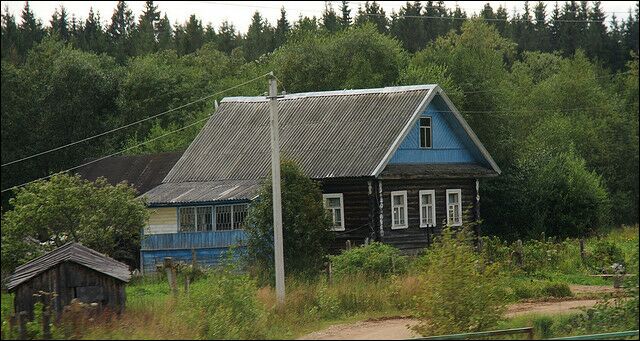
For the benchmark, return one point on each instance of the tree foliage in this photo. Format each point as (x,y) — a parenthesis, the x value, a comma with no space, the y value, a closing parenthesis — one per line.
(305,225)
(47,214)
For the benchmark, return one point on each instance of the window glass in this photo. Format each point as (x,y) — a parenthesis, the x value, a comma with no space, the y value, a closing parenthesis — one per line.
(425,132)
(204,219)
(239,214)
(333,205)
(223,218)
(187,219)
(399,209)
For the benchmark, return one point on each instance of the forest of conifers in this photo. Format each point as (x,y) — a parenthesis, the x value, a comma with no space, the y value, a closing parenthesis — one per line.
(551,92)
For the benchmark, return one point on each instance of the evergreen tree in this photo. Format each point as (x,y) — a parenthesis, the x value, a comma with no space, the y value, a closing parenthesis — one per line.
(597,34)
(540,39)
(9,37)
(568,31)
(345,19)
(615,44)
(30,31)
(431,25)
(259,38)
(228,38)
(554,30)
(404,24)
(209,34)
(330,21)
(372,13)
(60,24)
(523,29)
(282,29)
(194,35)
(631,33)
(91,35)
(165,34)
(501,22)
(145,32)
(120,30)
(458,17)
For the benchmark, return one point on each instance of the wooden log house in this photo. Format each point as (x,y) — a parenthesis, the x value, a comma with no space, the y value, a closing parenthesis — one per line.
(396,164)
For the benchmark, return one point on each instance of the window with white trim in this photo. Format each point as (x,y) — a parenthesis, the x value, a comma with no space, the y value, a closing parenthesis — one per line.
(399,216)
(454,207)
(425,132)
(427,208)
(334,204)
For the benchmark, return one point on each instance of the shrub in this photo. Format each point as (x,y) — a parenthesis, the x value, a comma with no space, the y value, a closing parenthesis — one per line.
(305,224)
(224,306)
(460,293)
(375,259)
(605,254)
(556,289)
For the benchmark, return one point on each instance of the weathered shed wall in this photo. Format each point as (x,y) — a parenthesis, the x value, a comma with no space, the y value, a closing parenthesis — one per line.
(70,280)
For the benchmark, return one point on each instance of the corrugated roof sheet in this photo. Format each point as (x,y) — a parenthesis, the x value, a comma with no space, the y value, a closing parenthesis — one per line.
(143,172)
(330,134)
(201,192)
(70,252)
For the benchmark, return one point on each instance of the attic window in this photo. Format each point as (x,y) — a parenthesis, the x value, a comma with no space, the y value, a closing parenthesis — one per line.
(425,132)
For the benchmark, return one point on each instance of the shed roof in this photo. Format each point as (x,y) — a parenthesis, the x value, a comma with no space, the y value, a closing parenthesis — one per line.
(143,172)
(202,192)
(70,252)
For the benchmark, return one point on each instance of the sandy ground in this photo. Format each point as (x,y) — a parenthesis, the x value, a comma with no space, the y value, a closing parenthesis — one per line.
(400,328)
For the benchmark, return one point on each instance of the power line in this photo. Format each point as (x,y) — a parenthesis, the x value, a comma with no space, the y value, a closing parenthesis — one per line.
(110,155)
(133,123)
(480,18)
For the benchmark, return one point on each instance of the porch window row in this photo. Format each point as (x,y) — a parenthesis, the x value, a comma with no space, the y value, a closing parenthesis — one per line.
(212,218)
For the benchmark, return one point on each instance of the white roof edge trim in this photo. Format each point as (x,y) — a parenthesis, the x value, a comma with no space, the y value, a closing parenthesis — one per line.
(390,89)
(396,143)
(469,131)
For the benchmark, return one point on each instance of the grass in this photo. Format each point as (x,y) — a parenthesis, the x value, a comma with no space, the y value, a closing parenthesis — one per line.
(221,302)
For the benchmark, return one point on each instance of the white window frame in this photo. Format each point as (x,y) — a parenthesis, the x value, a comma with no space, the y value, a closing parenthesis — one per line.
(459,203)
(335,196)
(405,206)
(429,127)
(432,208)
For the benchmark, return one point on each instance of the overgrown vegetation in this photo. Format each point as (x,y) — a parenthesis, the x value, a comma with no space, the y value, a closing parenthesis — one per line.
(226,303)
(306,226)
(48,214)
(373,260)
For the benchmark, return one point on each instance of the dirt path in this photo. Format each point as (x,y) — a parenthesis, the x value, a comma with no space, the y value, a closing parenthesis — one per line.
(400,328)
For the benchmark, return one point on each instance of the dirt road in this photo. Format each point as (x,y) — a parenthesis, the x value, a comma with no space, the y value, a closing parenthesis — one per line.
(400,328)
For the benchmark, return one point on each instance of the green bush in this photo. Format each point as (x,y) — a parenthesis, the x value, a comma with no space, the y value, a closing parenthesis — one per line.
(556,289)
(224,306)
(375,259)
(460,293)
(605,254)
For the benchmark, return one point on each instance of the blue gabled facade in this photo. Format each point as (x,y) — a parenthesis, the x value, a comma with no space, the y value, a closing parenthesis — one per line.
(450,143)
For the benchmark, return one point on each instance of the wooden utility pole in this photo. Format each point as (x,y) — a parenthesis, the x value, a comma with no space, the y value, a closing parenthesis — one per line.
(275,181)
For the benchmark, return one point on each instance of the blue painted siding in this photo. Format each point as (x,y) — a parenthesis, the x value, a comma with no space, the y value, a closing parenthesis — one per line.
(450,143)
(208,246)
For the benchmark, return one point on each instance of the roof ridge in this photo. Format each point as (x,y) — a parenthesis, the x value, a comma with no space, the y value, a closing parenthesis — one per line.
(327,93)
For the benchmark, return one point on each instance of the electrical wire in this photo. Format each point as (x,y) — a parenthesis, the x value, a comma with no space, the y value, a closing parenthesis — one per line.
(131,124)
(110,155)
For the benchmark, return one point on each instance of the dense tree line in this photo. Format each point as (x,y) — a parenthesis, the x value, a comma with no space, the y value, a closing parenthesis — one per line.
(567,27)
(561,119)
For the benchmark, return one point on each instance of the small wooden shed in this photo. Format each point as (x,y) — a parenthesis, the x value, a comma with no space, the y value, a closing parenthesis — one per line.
(71,271)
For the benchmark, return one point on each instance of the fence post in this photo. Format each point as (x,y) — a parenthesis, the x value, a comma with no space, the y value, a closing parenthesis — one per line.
(187,282)
(45,298)
(348,244)
(583,255)
(22,325)
(329,273)
(169,268)
(517,253)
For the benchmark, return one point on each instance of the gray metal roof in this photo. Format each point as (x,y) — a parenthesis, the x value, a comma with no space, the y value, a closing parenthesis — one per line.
(330,134)
(202,192)
(69,252)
